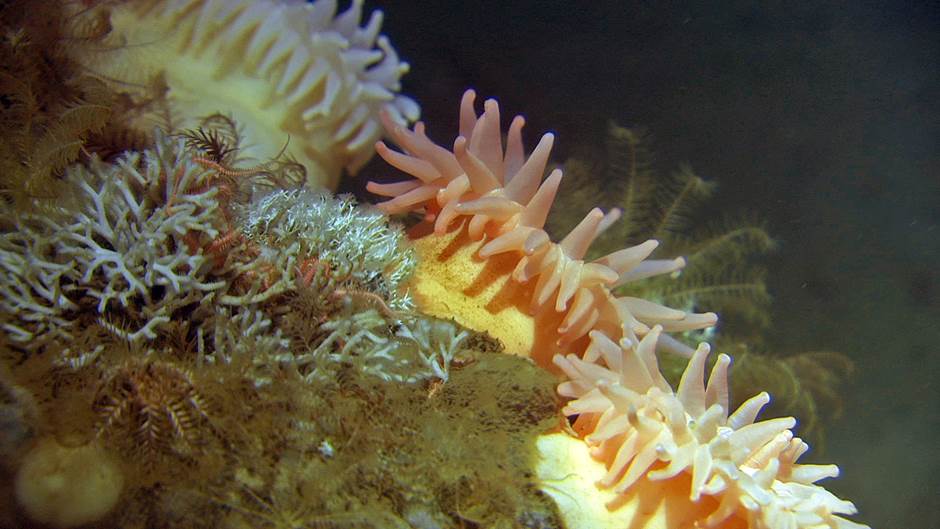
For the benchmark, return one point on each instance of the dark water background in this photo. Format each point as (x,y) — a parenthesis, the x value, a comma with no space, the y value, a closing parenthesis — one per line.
(820,116)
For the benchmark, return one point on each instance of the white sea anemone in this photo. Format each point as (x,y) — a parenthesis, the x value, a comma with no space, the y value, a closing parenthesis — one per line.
(738,471)
(291,73)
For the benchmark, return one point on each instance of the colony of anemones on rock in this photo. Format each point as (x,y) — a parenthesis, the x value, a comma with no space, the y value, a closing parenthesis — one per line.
(740,473)
(163,261)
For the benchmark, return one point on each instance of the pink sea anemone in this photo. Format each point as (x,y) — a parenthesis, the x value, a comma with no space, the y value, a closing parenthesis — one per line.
(485,205)
(501,196)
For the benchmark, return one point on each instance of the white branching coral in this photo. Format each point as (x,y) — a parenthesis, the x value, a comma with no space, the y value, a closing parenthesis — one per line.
(124,248)
(643,430)
(296,75)
(437,341)
(361,339)
(243,335)
(355,246)
(413,350)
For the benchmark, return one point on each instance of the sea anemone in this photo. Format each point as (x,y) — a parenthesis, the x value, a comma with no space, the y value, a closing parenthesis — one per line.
(297,77)
(739,472)
(498,271)
(124,252)
(504,202)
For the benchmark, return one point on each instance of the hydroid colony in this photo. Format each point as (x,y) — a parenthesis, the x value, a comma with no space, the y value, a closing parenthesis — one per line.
(233,348)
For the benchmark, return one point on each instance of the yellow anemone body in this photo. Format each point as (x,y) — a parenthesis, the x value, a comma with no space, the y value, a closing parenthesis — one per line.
(452,281)
(569,475)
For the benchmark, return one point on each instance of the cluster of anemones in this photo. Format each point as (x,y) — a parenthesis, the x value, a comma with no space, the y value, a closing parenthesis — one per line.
(626,412)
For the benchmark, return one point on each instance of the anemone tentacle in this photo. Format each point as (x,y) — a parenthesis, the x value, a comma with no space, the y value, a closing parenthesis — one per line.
(500,193)
(301,77)
(635,423)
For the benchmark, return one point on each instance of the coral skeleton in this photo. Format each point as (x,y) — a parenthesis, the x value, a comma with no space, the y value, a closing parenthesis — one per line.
(360,339)
(422,349)
(246,335)
(438,343)
(296,75)
(120,243)
(742,473)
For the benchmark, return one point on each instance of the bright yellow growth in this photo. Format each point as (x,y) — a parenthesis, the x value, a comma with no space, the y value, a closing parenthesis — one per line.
(452,281)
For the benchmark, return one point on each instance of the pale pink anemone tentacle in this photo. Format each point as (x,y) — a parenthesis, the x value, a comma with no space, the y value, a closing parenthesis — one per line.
(502,193)
(475,179)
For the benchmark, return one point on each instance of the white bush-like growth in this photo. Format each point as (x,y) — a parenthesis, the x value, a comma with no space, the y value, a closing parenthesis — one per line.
(233,335)
(360,339)
(422,349)
(122,240)
(437,343)
(354,243)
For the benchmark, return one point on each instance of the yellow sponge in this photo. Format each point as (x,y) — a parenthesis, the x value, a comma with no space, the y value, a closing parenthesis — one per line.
(68,486)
